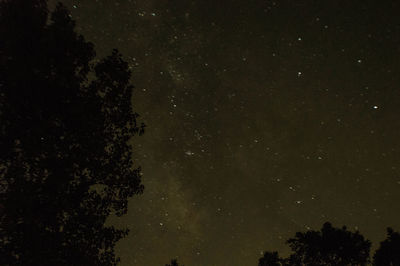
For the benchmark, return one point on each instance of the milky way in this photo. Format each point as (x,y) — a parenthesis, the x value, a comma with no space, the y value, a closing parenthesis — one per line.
(263,118)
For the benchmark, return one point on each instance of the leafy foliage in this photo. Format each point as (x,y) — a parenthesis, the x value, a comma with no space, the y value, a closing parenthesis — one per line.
(330,246)
(271,259)
(66,163)
(388,252)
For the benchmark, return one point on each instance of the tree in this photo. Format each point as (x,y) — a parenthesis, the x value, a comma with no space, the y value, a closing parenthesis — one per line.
(330,246)
(65,126)
(388,252)
(173,262)
(271,259)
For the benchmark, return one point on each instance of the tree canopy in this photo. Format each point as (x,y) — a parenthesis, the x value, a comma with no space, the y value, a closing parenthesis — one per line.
(329,246)
(66,122)
(388,252)
(271,259)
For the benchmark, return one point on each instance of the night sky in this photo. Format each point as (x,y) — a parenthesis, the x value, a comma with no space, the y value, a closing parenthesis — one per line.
(263,118)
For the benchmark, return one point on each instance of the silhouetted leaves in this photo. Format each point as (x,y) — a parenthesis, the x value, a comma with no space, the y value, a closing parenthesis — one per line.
(330,246)
(388,252)
(271,259)
(65,162)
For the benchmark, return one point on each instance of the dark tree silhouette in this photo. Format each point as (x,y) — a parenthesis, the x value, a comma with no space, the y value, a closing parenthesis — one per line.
(173,262)
(271,259)
(388,252)
(330,246)
(65,125)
